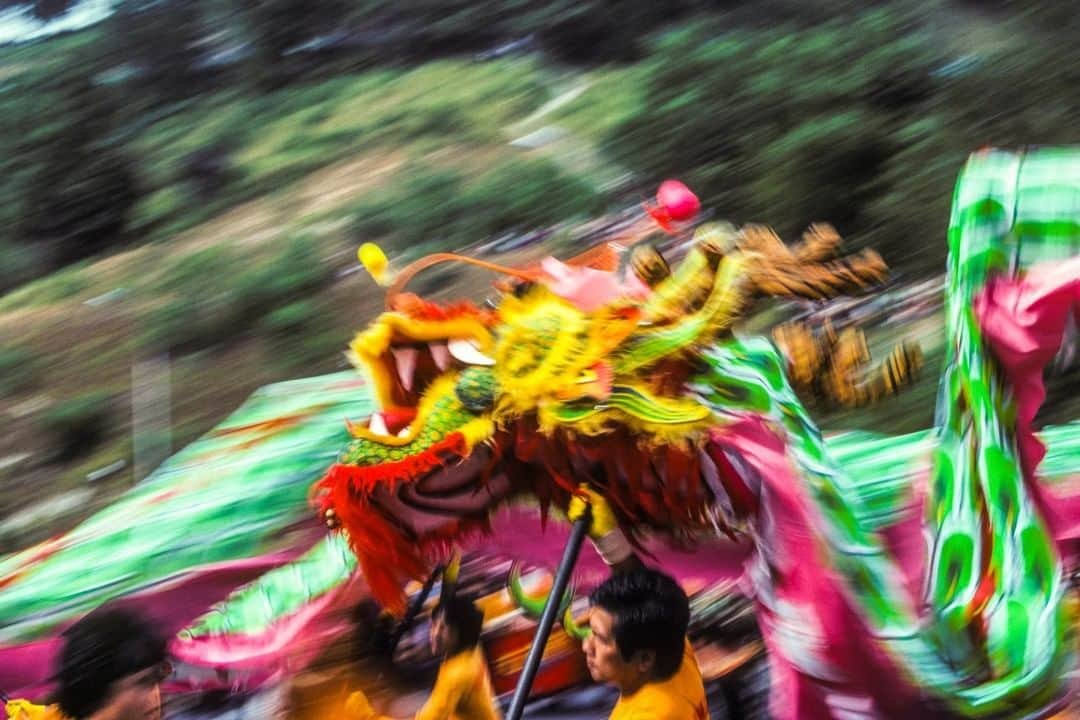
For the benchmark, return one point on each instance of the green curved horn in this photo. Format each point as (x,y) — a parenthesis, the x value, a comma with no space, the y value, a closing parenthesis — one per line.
(532,606)
(578,632)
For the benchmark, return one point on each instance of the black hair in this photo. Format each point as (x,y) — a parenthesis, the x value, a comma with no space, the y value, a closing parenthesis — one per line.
(107,645)
(651,612)
(373,633)
(463,617)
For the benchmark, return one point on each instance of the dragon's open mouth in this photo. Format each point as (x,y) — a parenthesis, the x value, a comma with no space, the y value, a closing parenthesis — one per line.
(412,366)
(409,479)
(408,368)
(404,358)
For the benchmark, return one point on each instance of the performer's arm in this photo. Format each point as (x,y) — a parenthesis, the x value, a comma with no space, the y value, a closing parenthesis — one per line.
(604,532)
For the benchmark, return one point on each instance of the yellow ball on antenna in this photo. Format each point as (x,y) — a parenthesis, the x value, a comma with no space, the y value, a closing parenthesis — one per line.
(374,260)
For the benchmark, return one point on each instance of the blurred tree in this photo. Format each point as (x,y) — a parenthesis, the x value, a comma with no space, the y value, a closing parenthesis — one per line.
(784,111)
(1053,15)
(208,171)
(570,30)
(826,168)
(428,28)
(75,427)
(160,40)
(41,9)
(68,184)
(80,202)
(788,125)
(279,28)
(51,9)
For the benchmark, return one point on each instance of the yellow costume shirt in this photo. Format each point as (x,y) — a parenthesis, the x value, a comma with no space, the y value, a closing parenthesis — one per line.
(22,710)
(680,697)
(462,692)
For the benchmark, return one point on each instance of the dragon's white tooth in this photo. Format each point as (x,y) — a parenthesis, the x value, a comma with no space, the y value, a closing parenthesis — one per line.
(440,355)
(377,425)
(467,352)
(405,359)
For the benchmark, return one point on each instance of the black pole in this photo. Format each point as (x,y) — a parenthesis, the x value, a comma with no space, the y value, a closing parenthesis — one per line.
(414,609)
(547,619)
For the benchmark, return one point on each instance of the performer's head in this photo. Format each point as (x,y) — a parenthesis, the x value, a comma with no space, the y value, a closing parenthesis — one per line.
(638,623)
(111,667)
(455,625)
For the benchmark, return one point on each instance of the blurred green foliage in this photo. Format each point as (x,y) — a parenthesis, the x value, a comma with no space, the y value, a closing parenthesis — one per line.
(159,43)
(214,295)
(429,205)
(75,427)
(19,370)
(864,123)
(290,320)
(68,184)
(782,111)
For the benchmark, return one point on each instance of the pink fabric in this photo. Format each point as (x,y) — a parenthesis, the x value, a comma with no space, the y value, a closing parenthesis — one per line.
(804,616)
(289,646)
(26,667)
(518,535)
(588,288)
(1023,319)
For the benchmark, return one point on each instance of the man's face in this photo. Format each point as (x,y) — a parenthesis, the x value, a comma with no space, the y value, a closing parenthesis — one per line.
(605,662)
(440,635)
(136,697)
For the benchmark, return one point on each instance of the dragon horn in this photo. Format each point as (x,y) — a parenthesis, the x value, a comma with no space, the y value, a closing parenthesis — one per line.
(450,574)
(532,606)
(578,632)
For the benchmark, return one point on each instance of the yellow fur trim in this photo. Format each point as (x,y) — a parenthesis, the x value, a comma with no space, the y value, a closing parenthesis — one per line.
(365,352)
(719,312)
(436,391)
(649,434)
(547,346)
(727,299)
(477,431)
(376,339)
(675,297)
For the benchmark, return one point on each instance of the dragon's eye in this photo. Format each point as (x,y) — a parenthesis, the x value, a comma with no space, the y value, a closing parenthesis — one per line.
(476,389)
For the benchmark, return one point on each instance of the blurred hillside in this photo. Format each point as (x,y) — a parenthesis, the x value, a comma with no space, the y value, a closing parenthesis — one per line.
(189,180)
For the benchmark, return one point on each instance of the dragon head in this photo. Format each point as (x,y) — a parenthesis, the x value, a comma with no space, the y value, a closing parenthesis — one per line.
(579,371)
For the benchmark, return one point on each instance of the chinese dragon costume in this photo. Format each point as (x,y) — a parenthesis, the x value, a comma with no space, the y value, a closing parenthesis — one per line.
(936,559)
(635,382)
